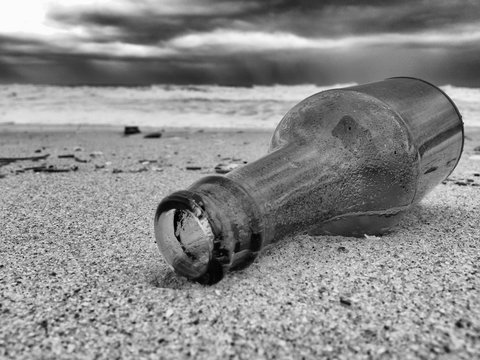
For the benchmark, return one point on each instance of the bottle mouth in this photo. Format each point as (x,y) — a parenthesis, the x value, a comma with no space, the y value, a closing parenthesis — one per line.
(184,237)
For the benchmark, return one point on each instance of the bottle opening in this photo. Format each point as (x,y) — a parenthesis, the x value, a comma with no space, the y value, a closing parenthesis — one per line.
(185,240)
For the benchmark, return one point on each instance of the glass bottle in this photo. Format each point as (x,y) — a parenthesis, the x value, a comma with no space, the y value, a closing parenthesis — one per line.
(345,162)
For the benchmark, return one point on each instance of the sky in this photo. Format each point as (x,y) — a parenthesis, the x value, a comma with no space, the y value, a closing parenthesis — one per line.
(241,43)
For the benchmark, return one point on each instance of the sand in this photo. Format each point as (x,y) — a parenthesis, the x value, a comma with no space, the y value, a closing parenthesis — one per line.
(81,276)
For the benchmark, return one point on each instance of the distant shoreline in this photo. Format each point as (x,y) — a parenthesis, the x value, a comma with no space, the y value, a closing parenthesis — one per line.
(176,106)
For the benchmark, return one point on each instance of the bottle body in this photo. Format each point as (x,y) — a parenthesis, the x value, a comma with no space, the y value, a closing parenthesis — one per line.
(345,162)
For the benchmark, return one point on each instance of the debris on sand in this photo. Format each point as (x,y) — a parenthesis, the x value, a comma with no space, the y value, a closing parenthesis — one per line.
(81,159)
(345,301)
(51,168)
(131,130)
(463,181)
(226,168)
(153,135)
(8,160)
(142,169)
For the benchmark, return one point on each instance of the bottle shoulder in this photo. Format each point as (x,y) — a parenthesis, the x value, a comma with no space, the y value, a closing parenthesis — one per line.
(340,118)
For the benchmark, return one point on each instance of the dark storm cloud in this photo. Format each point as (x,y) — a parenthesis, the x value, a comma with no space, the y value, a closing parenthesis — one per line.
(359,17)
(149,24)
(251,42)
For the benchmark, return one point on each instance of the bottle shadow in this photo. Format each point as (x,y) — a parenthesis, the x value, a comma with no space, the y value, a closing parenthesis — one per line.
(422,220)
(169,280)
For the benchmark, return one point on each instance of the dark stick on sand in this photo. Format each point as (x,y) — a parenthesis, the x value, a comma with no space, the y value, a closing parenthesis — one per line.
(13,159)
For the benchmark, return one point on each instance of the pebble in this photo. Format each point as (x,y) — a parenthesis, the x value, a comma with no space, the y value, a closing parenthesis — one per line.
(225,168)
(345,301)
(154,135)
(81,159)
(131,130)
(142,169)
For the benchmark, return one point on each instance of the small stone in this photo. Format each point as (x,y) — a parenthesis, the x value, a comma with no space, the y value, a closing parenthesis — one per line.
(131,130)
(96,153)
(193,168)
(477,149)
(154,135)
(81,159)
(345,301)
(65,156)
(225,168)
(169,313)
(117,171)
(342,249)
(44,325)
(142,169)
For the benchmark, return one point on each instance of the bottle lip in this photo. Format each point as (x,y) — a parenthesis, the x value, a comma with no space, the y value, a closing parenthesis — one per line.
(185,237)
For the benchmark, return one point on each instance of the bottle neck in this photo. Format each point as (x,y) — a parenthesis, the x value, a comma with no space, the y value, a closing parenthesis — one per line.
(212,227)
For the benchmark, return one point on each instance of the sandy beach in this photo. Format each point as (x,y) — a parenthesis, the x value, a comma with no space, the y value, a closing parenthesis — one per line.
(81,276)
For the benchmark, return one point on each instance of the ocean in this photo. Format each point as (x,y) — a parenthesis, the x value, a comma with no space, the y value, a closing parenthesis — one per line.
(258,107)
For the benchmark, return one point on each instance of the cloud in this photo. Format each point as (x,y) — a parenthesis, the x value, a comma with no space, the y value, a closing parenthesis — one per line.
(245,42)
